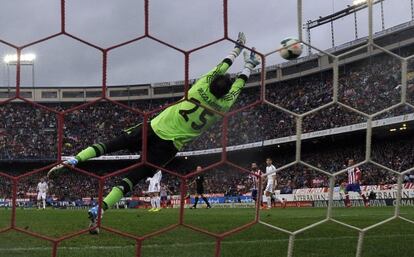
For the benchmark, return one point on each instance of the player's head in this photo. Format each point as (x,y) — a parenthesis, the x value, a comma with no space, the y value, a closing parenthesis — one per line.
(351,162)
(199,168)
(221,85)
(254,166)
(269,161)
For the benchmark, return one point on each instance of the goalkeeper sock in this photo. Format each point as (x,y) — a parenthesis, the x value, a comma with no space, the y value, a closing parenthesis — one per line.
(92,151)
(152,202)
(113,197)
(196,201)
(269,202)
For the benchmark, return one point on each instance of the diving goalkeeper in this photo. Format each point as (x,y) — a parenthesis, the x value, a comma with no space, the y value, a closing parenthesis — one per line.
(174,127)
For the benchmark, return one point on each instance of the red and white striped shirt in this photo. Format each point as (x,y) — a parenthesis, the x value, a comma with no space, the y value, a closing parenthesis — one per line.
(354,175)
(255,179)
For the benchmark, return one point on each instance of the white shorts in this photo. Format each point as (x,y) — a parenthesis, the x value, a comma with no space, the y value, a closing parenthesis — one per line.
(269,188)
(41,196)
(154,188)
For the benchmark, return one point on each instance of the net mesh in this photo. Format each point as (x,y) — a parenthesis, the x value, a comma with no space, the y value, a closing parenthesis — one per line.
(218,237)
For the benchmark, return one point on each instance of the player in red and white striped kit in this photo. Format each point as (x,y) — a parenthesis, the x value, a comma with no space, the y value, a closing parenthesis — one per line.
(255,180)
(354,180)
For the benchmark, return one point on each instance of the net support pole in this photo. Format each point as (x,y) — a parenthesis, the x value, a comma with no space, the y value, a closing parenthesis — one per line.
(309,39)
(335,79)
(404,81)
(399,192)
(412,9)
(368,140)
(370,22)
(356,25)
(382,15)
(299,14)
(330,199)
(298,137)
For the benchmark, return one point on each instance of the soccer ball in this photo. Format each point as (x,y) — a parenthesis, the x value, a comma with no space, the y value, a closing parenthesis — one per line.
(291,48)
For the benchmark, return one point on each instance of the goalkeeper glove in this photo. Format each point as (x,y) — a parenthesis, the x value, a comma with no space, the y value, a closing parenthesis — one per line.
(56,170)
(250,62)
(241,41)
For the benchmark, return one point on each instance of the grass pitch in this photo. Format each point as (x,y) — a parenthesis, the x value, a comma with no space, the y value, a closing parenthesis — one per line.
(328,239)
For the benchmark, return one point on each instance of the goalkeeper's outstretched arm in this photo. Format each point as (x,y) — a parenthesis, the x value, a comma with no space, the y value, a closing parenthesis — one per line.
(225,64)
(251,60)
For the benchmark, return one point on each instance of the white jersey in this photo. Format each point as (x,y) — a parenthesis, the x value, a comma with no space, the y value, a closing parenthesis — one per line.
(42,187)
(154,182)
(156,178)
(270,169)
(269,185)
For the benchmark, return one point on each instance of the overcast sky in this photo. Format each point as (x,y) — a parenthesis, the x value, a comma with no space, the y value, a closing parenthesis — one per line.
(185,23)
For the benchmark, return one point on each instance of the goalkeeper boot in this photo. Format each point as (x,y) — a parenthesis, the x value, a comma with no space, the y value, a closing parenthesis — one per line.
(60,168)
(93,216)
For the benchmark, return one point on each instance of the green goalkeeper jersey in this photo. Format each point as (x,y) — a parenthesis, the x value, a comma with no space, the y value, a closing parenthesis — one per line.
(184,121)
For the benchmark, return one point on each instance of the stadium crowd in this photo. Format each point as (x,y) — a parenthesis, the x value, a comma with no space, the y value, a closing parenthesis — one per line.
(369,85)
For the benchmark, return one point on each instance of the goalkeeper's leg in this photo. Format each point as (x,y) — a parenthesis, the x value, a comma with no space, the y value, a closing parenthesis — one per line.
(130,139)
(159,152)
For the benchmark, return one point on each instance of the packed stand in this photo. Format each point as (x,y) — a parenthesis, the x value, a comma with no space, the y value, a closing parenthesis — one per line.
(370,85)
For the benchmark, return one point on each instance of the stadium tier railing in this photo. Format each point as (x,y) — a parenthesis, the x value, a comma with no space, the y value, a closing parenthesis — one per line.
(277,141)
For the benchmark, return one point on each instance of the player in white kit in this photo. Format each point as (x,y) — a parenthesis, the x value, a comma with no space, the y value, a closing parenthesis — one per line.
(271,183)
(154,191)
(42,188)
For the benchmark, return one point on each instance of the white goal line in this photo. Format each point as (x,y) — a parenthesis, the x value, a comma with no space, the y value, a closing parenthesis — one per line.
(182,245)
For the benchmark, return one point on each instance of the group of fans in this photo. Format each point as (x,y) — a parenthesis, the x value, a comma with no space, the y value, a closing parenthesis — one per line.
(358,82)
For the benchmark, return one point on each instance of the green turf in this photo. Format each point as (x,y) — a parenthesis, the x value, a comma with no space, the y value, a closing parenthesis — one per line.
(328,239)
